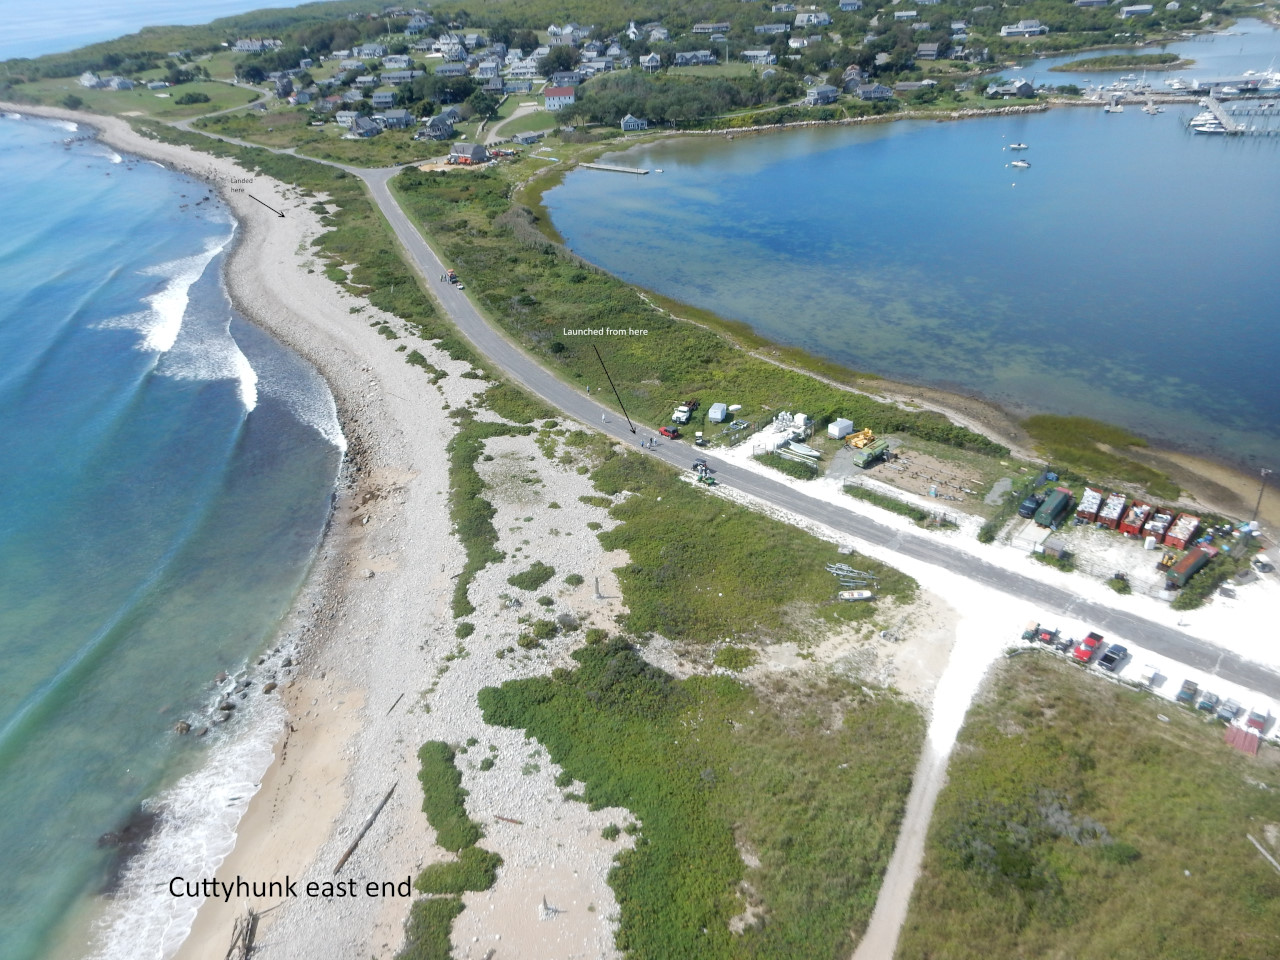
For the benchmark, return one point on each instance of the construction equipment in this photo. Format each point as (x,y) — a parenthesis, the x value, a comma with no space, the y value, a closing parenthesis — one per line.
(860,439)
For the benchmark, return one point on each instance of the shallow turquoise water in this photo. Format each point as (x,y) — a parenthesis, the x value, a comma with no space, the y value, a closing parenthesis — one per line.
(166,472)
(1128,275)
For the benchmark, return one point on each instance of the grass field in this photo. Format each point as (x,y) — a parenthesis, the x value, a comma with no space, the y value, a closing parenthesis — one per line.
(139,100)
(807,783)
(703,570)
(529,123)
(1075,824)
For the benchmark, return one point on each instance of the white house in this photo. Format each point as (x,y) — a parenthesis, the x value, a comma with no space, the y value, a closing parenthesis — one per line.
(1137,10)
(819,19)
(630,124)
(1024,28)
(557,98)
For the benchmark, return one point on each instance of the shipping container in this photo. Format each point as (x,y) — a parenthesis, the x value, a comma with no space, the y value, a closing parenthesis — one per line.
(1135,519)
(1054,508)
(1112,511)
(1186,568)
(1090,502)
(1183,531)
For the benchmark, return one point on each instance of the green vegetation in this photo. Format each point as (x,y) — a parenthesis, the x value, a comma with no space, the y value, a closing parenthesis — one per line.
(512,403)
(812,781)
(533,288)
(1120,585)
(1125,61)
(418,360)
(471,513)
(531,579)
(1064,563)
(1075,825)
(921,516)
(682,100)
(792,468)
(1093,449)
(611,832)
(574,580)
(427,934)
(1213,575)
(735,658)
(475,869)
(702,569)
(464,630)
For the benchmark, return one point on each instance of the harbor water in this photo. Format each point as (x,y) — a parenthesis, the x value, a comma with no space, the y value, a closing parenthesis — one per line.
(1127,275)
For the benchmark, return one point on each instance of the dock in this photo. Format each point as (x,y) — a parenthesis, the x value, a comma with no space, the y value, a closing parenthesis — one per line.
(612,169)
(1224,118)
(1265,124)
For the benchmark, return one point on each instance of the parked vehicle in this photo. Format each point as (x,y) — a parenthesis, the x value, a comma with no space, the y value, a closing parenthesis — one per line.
(1114,656)
(1188,692)
(1229,711)
(1027,509)
(671,433)
(1257,721)
(1086,648)
(1208,702)
(682,415)
(1046,636)
(1149,675)
(1055,507)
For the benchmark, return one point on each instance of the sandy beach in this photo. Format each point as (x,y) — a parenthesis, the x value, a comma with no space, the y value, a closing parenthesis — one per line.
(381,670)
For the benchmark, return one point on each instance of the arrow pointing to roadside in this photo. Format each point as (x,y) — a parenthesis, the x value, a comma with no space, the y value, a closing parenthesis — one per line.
(272,209)
(615,389)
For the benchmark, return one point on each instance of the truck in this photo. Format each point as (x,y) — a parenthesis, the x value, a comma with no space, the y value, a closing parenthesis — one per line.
(1188,693)
(1054,508)
(682,414)
(868,455)
(1186,568)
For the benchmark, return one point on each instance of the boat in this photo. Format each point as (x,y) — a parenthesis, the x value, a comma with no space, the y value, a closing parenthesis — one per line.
(1114,107)
(1230,91)
(1017,146)
(1129,78)
(855,595)
(1214,127)
(1020,163)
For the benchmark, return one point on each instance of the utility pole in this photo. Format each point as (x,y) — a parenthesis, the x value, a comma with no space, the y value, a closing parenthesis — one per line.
(1261,488)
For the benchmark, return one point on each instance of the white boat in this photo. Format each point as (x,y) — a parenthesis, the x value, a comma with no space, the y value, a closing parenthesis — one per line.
(1214,127)
(1230,91)
(1017,146)
(855,595)
(1020,163)
(1114,107)
(1129,78)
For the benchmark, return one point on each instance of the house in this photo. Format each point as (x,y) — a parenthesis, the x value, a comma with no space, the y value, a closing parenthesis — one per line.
(1014,88)
(1024,28)
(759,58)
(487,69)
(848,6)
(613,50)
(451,70)
(767,29)
(873,91)
(468,153)
(566,78)
(783,8)
(911,86)
(695,58)
(1092,3)
(352,96)
(452,114)
(383,98)
(517,86)
(820,94)
(397,77)
(474,41)
(905,14)
(523,70)
(352,65)
(394,119)
(370,51)
(659,35)
(928,51)
(364,127)
(328,104)
(592,48)
(284,88)
(557,98)
(397,61)
(89,80)
(306,63)
(921,25)
(798,43)
(367,81)
(416,26)
(633,32)
(437,128)
(157,85)
(527,139)
(118,83)
(1137,10)
(650,63)
(819,19)
(631,124)
(704,28)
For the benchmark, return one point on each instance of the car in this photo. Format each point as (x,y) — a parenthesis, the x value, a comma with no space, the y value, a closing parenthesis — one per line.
(1113,657)
(671,433)
(1063,644)
(1257,721)
(1228,711)
(700,463)
(1047,636)
(1027,509)
(1087,647)
(1208,702)
(1188,692)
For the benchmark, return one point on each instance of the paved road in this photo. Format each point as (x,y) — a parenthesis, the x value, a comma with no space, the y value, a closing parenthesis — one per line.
(520,366)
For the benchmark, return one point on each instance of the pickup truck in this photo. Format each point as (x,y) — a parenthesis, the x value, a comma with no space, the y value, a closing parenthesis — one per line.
(1188,692)
(1229,711)
(1087,647)
(1208,702)
(1114,656)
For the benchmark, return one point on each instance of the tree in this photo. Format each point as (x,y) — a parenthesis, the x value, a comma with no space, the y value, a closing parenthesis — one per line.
(482,103)
(72,102)
(525,40)
(562,57)
(252,74)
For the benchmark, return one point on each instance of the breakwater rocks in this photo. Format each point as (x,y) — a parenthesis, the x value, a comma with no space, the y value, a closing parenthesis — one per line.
(966,114)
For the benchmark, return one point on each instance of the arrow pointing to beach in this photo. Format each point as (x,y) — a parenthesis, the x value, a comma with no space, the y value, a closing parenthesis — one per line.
(272,209)
(615,389)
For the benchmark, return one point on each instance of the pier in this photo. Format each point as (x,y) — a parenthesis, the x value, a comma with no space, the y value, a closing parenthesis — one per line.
(1233,124)
(1224,118)
(612,169)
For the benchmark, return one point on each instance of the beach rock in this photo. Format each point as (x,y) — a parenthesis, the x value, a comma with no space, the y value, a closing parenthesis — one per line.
(267,688)
(202,731)
(287,662)
(182,728)
(366,573)
(226,705)
(221,677)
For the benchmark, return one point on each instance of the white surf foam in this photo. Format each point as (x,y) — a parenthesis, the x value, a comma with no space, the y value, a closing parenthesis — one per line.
(197,830)
(290,380)
(66,125)
(206,350)
(161,323)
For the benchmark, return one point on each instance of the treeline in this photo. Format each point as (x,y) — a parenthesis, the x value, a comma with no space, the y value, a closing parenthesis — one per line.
(663,99)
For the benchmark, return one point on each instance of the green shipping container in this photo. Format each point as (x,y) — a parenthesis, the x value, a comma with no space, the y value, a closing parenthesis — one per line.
(1054,508)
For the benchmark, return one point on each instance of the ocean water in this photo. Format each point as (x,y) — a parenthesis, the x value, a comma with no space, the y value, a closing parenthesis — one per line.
(166,472)
(1128,275)
(54,26)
